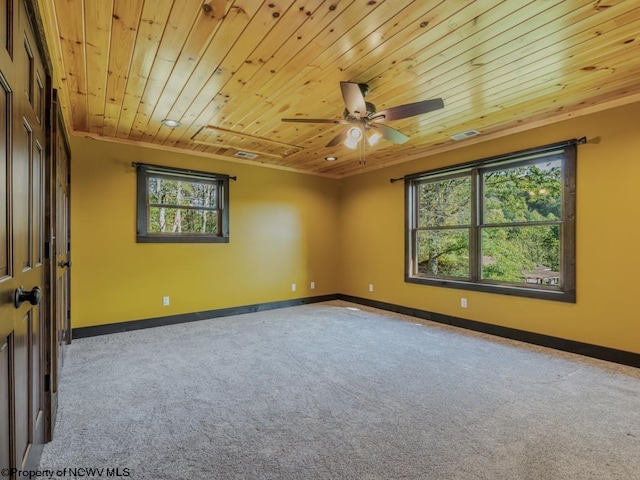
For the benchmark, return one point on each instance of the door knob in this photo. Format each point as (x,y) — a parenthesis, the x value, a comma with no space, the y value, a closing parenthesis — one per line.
(64,264)
(21,295)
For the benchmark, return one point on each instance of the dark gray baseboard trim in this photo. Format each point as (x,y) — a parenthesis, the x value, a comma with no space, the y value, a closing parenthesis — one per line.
(586,349)
(83,332)
(595,351)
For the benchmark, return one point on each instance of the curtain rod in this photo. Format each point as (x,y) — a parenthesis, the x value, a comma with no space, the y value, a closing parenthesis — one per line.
(578,141)
(162,168)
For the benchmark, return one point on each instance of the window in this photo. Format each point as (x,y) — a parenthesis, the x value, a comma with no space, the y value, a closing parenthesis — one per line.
(504,224)
(176,205)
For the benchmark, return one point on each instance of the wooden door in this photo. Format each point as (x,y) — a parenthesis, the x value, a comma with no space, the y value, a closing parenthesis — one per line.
(57,223)
(22,256)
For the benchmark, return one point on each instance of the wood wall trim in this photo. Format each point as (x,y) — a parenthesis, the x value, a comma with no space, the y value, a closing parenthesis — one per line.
(485,137)
(182,151)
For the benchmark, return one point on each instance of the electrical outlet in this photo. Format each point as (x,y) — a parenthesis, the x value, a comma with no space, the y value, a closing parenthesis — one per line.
(313,285)
(165,301)
(463,302)
(293,287)
(371,287)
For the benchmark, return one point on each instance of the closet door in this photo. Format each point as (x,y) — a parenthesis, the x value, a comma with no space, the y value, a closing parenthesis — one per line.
(22,255)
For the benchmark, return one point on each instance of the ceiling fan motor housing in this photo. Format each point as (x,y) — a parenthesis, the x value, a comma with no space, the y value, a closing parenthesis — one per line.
(371,111)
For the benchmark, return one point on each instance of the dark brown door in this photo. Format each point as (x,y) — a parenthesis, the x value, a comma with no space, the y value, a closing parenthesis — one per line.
(60,245)
(22,256)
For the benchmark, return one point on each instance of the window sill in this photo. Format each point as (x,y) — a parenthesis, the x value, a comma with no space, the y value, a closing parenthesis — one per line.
(548,293)
(180,239)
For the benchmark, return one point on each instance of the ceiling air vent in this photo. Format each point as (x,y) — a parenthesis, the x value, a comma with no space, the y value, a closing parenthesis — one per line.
(246,155)
(467,134)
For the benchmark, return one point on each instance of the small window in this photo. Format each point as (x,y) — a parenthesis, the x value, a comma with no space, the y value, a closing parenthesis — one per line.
(176,205)
(502,225)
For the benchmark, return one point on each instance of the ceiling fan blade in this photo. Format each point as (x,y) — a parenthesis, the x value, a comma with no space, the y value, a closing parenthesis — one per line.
(353,99)
(409,110)
(341,137)
(314,120)
(391,134)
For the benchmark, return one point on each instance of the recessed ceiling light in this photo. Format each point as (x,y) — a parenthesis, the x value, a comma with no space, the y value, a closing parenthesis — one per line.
(167,122)
(331,159)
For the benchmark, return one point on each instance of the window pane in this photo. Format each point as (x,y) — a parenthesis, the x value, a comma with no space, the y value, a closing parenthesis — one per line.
(530,193)
(443,252)
(199,195)
(522,254)
(177,192)
(445,202)
(180,220)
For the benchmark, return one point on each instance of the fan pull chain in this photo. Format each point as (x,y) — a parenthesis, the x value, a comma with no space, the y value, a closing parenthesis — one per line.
(363,159)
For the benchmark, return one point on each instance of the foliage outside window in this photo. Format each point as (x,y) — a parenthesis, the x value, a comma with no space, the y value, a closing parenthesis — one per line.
(177,205)
(504,224)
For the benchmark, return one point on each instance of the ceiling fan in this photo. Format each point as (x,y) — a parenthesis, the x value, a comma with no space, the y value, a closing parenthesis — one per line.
(365,117)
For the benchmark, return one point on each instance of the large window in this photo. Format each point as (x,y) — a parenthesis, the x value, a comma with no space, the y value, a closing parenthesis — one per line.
(177,205)
(504,224)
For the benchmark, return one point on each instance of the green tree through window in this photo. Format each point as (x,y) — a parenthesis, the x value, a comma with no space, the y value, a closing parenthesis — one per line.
(177,205)
(504,225)
(444,217)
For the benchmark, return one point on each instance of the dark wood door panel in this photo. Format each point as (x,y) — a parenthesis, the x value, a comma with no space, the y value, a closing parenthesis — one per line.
(36,370)
(22,376)
(24,332)
(22,197)
(8,27)
(6,394)
(4,20)
(37,204)
(4,183)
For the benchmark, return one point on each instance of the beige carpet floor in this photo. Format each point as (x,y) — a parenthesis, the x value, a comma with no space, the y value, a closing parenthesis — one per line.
(338,391)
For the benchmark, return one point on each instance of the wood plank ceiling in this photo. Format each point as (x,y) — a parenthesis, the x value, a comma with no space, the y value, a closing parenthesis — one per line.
(230,70)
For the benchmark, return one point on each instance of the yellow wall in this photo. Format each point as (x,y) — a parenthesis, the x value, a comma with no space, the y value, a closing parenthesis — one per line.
(607,312)
(345,234)
(282,231)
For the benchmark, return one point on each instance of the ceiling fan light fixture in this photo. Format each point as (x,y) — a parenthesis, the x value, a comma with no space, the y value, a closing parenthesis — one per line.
(351,142)
(354,135)
(373,138)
